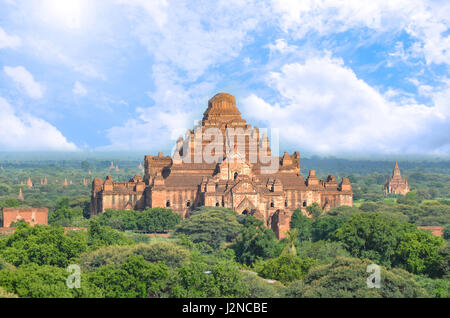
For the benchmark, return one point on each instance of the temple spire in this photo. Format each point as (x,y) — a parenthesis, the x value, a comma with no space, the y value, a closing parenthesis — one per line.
(20,197)
(396,169)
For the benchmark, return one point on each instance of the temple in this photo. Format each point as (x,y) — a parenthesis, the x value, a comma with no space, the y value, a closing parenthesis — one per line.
(396,184)
(224,162)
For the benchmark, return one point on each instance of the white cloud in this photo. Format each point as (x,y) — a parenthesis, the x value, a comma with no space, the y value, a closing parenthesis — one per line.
(156,9)
(425,20)
(25,80)
(159,126)
(8,41)
(281,46)
(26,132)
(185,39)
(190,36)
(323,107)
(52,53)
(79,89)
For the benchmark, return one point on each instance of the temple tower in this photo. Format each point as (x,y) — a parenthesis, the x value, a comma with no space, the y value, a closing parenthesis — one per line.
(396,184)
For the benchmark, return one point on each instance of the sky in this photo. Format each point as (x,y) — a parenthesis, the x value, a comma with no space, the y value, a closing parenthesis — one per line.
(335,77)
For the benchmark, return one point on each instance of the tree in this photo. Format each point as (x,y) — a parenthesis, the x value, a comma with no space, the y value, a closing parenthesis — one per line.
(99,235)
(302,223)
(285,268)
(443,269)
(314,209)
(259,287)
(447,232)
(324,252)
(347,278)
(45,281)
(437,288)
(410,198)
(169,253)
(291,238)
(255,241)
(41,244)
(135,278)
(5,294)
(212,227)
(417,252)
(370,235)
(150,220)
(324,227)
(369,207)
(158,220)
(64,216)
(209,277)
(86,166)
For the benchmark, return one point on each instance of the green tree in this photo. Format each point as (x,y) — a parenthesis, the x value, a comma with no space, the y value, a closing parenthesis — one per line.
(324,227)
(314,209)
(169,253)
(135,278)
(410,198)
(447,232)
(369,207)
(437,288)
(41,244)
(5,294)
(99,235)
(45,281)
(212,227)
(324,252)
(150,220)
(212,277)
(347,278)
(158,220)
(285,268)
(291,239)
(417,252)
(255,241)
(370,235)
(302,223)
(443,269)
(86,166)
(64,216)
(259,287)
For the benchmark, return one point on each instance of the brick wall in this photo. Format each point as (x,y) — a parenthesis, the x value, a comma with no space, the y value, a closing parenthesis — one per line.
(32,215)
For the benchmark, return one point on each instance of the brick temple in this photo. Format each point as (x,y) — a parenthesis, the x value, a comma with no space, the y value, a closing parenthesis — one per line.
(396,184)
(32,216)
(245,177)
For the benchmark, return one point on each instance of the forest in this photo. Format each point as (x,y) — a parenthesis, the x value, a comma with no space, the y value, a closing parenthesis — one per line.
(218,253)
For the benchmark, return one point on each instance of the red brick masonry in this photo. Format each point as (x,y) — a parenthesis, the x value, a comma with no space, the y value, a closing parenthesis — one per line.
(32,216)
(435,230)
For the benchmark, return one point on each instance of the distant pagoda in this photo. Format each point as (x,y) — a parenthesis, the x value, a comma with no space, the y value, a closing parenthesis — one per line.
(396,184)
(20,196)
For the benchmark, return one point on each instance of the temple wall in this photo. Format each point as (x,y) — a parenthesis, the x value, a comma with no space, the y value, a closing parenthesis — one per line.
(32,216)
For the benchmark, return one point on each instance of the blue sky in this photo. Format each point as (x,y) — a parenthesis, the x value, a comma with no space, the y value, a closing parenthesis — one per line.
(336,77)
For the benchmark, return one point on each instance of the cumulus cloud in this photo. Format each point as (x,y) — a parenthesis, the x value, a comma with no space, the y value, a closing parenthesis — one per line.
(8,41)
(79,89)
(157,127)
(26,132)
(51,52)
(25,81)
(194,36)
(185,39)
(325,108)
(427,21)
